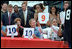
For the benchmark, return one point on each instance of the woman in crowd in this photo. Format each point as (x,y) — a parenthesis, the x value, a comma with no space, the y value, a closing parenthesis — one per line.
(57,30)
(53,30)
(20,28)
(15,14)
(53,14)
(39,9)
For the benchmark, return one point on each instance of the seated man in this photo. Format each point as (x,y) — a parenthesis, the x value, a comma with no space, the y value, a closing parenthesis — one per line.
(3,29)
(37,30)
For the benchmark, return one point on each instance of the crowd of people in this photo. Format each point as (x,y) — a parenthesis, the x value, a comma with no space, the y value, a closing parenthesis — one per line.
(27,16)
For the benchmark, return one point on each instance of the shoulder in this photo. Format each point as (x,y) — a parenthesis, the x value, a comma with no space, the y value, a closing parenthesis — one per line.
(58,14)
(29,11)
(50,14)
(3,27)
(20,9)
(36,27)
(21,26)
(5,13)
(35,13)
(13,13)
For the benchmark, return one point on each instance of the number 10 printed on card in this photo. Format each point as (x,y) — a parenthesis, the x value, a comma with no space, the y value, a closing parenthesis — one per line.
(28,32)
(12,29)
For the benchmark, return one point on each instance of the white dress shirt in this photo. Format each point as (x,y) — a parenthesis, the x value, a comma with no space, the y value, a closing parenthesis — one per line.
(25,14)
(9,14)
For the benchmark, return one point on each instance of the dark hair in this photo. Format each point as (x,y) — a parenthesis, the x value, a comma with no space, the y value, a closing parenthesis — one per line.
(55,11)
(15,5)
(4,3)
(41,6)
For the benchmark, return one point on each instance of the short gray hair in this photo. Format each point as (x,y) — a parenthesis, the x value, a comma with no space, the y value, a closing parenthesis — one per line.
(31,20)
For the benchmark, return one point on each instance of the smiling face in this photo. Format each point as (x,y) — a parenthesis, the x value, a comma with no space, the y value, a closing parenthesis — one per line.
(16,8)
(38,8)
(10,8)
(24,7)
(54,22)
(53,9)
(4,6)
(66,5)
(32,23)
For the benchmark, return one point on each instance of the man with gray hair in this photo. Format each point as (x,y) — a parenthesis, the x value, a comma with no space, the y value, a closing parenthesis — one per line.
(37,30)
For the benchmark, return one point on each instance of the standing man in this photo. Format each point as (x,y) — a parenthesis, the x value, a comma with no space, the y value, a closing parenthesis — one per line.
(7,16)
(67,24)
(4,8)
(37,30)
(25,15)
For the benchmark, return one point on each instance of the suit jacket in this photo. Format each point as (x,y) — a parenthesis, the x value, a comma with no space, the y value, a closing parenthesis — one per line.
(5,19)
(2,14)
(14,16)
(67,30)
(29,16)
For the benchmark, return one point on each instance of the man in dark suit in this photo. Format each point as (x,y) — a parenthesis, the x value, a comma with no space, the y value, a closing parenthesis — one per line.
(25,15)
(6,17)
(3,9)
(67,24)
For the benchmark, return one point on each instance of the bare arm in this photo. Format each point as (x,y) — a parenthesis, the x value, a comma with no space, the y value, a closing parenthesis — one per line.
(58,18)
(59,31)
(3,32)
(48,23)
(35,16)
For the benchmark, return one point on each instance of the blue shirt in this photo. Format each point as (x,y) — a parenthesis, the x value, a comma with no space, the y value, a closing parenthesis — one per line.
(36,32)
(4,29)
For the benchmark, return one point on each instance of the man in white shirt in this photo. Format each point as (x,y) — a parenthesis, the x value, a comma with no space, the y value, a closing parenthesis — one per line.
(25,15)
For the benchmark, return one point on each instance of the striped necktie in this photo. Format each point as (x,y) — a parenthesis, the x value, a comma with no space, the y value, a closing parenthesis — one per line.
(9,17)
